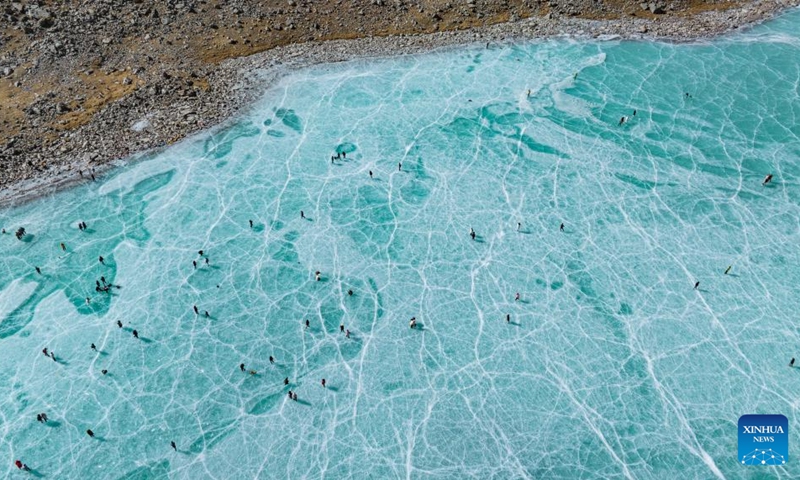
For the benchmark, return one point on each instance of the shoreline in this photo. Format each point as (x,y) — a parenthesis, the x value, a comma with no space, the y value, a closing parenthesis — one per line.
(242,81)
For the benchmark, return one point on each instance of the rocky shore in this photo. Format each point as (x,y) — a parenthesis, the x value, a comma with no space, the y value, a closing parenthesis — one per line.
(78,96)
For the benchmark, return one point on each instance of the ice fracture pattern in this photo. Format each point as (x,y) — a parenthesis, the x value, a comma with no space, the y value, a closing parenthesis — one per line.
(610,365)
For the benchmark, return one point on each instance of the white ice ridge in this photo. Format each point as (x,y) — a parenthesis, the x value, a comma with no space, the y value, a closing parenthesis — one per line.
(14,295)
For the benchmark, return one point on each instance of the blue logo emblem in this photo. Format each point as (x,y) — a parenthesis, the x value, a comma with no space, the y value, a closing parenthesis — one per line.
(763,440)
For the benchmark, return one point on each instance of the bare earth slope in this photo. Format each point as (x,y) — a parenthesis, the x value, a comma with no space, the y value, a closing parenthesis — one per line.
(77,75)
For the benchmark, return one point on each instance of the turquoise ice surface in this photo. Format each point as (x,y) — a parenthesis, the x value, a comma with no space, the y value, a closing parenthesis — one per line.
(613,366)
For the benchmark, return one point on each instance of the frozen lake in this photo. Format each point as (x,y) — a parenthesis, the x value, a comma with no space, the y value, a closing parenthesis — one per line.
(612,365)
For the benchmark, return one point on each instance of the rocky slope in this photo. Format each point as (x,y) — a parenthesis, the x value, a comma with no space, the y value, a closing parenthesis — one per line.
(83,82)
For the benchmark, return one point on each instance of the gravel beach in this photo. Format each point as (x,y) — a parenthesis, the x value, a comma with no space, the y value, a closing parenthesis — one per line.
(78,96)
